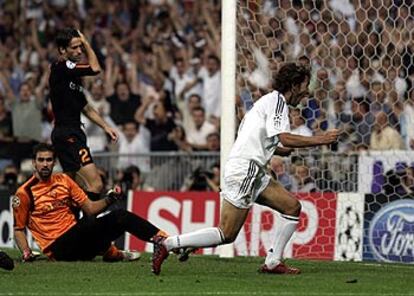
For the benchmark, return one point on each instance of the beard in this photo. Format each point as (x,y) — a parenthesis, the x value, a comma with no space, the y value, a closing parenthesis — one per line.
(44,173)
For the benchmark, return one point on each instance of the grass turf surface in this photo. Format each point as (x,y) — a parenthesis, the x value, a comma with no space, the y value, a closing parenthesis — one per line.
(204,275)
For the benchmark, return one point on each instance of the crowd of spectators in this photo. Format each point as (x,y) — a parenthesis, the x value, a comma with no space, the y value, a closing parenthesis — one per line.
(161,81)
(160,85)
(361,54)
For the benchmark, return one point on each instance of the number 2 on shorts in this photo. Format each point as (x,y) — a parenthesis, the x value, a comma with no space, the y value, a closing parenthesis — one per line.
(84,156)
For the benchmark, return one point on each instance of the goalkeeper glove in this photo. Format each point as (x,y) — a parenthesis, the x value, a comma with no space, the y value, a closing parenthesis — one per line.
(28,256)
(114,195)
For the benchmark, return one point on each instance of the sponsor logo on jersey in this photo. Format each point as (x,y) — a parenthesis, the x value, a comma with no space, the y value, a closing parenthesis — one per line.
(391,233)
(74,86)
(15,201)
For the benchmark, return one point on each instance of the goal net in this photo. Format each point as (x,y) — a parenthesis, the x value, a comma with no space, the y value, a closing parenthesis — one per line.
(361,57)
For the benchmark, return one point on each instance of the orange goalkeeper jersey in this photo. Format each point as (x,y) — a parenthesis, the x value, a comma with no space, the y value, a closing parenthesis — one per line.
(44,207)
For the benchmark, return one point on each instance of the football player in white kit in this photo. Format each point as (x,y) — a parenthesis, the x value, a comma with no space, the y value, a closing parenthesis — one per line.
(246,180)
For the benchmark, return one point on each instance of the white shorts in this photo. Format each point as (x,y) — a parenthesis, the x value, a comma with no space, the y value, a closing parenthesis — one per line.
(244,181)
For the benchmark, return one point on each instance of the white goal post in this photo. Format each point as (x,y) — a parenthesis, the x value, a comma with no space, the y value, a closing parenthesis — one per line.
(228,92)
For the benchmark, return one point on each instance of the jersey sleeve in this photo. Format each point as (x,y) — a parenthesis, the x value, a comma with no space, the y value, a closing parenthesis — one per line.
(78,196)
(21,207)
(72,69)
(277,120)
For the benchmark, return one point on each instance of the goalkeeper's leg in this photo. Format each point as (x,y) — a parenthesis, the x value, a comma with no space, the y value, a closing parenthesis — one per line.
(117,222)
(92,236)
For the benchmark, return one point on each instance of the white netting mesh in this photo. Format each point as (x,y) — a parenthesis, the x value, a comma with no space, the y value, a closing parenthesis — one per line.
(361,55)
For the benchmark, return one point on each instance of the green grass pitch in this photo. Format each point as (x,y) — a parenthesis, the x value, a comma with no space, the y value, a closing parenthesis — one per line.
(204,275)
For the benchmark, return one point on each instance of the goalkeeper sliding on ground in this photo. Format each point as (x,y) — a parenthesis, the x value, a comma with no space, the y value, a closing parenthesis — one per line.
(44,205)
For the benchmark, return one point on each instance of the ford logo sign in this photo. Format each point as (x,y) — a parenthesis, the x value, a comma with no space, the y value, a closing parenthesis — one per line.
(391,233)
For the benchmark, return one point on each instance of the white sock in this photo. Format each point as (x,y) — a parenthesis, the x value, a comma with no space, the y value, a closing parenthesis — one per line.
(286,226)
(203,238)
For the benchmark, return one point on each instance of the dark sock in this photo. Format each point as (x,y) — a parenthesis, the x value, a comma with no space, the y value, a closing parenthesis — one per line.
(93,195)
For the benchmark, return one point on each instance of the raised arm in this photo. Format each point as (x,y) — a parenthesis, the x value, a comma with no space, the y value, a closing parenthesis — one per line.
(132,74)
(111,75)
(140,113)
(90,54)
(35,39)
(39,90)
(9,95)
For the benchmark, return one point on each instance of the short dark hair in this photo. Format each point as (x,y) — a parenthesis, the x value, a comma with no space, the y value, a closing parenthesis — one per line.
(214,57)
(199,109)
(196,96)
(290,75)
(64,37)
(43,147)
(278,54)
(304,58)
(363,102)
(213,134)
(135,123)
(178,60)
(120,82)
(132,169)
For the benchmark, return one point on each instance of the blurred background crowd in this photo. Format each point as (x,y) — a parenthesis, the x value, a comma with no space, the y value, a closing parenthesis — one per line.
(161,81)
(361,54)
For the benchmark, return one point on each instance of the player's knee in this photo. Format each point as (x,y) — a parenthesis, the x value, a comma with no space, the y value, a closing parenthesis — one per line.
(230,239)
(228,236)
(96,185)
(294,208)
(119,217)
(119,212)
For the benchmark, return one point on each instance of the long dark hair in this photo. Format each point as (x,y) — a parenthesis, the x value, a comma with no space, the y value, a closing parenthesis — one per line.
(290,75)
(64,37)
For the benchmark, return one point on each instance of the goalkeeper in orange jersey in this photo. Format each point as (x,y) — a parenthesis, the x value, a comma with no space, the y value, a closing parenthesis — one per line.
(43,205)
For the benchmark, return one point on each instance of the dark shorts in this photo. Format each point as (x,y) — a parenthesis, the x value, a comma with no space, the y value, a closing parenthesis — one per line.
(84,241)
(71,148)
(92,236)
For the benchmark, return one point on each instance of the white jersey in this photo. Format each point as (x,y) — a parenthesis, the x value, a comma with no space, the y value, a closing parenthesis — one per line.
(257,137)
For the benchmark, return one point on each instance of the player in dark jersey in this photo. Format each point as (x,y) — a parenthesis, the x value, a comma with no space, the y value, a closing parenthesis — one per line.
(68,101)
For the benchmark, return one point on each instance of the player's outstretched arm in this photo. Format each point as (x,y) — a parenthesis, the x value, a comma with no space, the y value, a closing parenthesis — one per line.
(90,54)
(297,141)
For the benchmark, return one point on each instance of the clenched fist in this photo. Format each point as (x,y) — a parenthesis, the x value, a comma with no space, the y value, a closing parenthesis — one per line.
(331,136)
